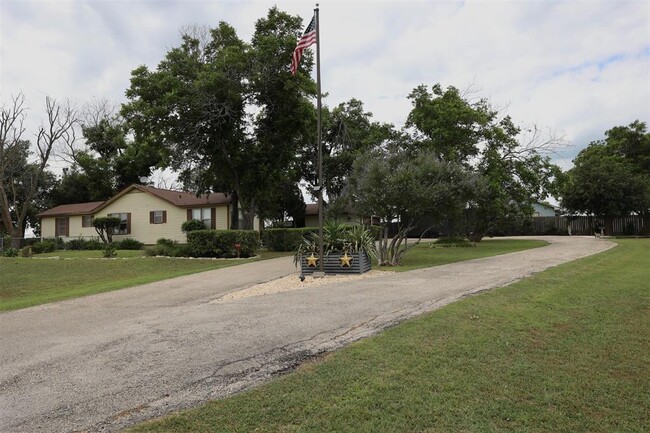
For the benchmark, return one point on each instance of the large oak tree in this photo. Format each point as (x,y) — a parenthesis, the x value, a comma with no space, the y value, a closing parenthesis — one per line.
(228,115)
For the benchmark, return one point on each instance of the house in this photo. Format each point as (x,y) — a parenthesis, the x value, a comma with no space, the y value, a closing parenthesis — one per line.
(146,213)
(543,210)
(311,215)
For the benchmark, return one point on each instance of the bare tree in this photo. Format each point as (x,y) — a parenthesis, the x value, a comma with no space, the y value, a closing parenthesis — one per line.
(20,180)
(91,115)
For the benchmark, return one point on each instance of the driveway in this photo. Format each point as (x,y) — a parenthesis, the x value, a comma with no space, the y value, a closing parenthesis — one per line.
(107,361)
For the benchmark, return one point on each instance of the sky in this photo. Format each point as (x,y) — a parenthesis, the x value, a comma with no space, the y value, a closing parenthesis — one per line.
(573,69)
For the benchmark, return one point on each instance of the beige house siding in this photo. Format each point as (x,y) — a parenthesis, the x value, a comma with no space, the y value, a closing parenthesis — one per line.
(75,231)
(221,218)
(47,227)
(311,221)
(139,204)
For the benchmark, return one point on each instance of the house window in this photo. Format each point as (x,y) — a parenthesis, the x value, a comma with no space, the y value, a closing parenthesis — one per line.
(158,217)
(86,221)
(204,215)
(125,223)
(62,226)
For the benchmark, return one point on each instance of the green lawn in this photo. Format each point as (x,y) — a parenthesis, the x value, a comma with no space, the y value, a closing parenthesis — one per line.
(92,254)
(563,351)
(26,282)
(422,255)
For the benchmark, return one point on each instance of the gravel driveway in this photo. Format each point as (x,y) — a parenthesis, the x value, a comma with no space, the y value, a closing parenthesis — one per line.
(107,361)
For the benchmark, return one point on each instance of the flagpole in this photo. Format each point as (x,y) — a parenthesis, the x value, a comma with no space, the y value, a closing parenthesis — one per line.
(320,147)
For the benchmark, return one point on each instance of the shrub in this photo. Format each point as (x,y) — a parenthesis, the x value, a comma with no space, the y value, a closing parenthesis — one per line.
(192,225)
(339,237)
(45,246)
(10,252)
(629,229)
(84,244)
(285,239)
(376,231)
(221,243)
(26,251)
(167,247)
(30,241)
(109,251)
(453,242)
(129,244)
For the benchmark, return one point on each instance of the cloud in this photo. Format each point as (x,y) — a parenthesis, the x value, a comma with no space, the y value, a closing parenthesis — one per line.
(574,67)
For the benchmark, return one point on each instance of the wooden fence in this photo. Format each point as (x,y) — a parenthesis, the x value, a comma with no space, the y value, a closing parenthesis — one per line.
(586,225)
(558,225)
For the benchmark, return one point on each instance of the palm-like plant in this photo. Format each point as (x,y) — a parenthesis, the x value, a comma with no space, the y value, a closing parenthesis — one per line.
(336,238)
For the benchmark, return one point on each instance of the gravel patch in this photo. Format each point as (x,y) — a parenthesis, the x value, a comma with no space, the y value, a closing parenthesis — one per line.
(292,282)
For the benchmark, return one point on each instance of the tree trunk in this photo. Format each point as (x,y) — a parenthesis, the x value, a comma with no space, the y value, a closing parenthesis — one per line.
(248,218)
(17,237)
(234,211)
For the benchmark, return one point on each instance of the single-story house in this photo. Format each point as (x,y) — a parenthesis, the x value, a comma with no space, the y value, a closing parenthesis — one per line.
(543,210)
(147,214)
(311,215)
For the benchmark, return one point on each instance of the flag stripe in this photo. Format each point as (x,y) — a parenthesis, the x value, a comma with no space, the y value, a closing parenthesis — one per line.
(308,38)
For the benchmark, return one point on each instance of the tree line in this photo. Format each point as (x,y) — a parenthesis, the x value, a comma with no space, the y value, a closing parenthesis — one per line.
(228,116)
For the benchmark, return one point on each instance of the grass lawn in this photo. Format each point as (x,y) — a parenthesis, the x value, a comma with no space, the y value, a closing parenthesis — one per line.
(423,256)
(27,282)
(563,351)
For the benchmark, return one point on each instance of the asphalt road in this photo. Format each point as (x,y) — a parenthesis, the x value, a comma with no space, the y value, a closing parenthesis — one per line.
(104,362)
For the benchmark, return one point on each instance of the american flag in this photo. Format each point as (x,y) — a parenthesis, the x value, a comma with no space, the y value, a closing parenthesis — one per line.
(307,39)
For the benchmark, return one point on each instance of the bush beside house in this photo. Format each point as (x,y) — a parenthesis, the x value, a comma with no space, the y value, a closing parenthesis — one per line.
(285,239)
(222,243)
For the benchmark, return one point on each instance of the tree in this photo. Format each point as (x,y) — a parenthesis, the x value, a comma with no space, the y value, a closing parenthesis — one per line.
(449,125)
(286,117)
(348,132)
(611,177)
(107,161)
(21,181)
(401,187)
(195,107)
(511,177)
(105,226)
(509,174)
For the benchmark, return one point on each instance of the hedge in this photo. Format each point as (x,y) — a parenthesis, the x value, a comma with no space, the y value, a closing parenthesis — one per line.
(221,243)
(84,244)
(285,239)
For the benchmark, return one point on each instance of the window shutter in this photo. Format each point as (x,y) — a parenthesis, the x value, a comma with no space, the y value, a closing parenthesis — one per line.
(128,223)
(151,221)
(67,227)
(189,214)
(213,218)
(164,217)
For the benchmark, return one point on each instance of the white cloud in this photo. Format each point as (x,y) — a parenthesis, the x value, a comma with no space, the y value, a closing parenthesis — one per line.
(578,67)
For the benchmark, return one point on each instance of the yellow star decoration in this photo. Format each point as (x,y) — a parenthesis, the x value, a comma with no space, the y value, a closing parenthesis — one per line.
(346,261)
(312,261)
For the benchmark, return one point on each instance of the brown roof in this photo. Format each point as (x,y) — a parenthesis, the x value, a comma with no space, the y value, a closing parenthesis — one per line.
(177,198)
(71,209)
(185,199)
